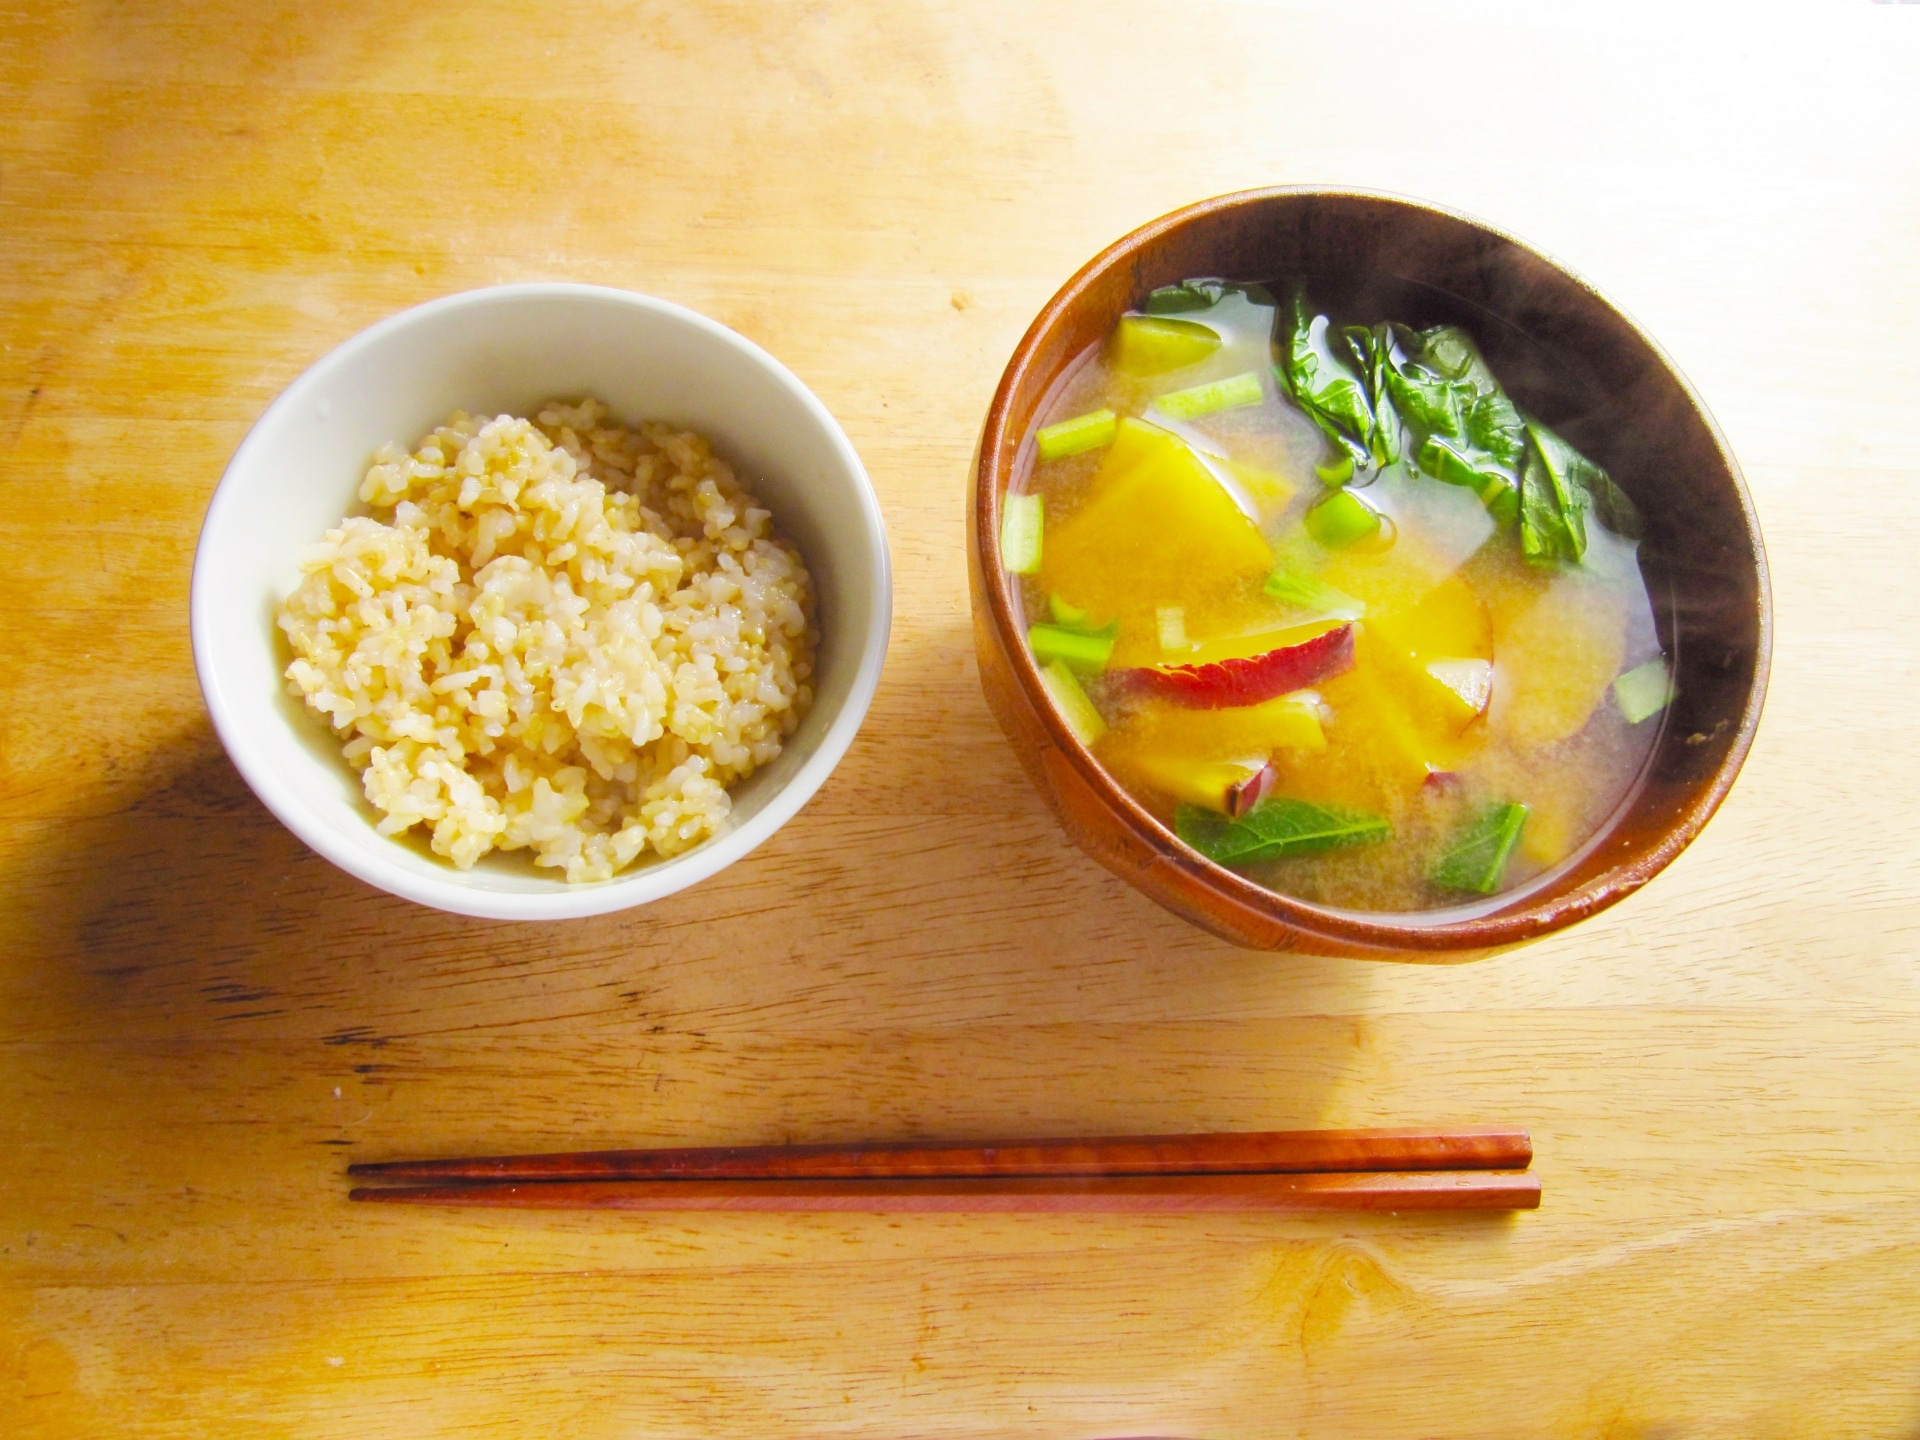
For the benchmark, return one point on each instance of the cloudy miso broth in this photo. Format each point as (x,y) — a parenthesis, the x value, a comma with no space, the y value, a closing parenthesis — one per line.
(1329,604)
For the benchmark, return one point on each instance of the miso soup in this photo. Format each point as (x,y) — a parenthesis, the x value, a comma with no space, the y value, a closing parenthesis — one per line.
(1329,604)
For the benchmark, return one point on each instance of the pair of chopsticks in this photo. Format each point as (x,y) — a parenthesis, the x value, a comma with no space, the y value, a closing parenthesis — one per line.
(1480,1168)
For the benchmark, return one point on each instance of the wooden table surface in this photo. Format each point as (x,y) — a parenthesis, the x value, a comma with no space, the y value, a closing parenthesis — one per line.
(201,1022)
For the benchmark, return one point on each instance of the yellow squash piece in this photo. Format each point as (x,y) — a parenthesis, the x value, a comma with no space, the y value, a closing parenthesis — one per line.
(1198,755)
(1437,646)
(1157,529)
(1268,491)
(1380,748)
(1206,783)
(1466,689)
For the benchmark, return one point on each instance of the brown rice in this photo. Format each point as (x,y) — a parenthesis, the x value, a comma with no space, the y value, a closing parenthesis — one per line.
(561,635)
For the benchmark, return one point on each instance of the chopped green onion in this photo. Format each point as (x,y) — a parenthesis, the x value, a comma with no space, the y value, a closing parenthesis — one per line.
(1644,691)
(1083,432)
(1020,523)
(1478,859)
(1337,471)
(1172,620)
(1342,519)
(1072,703)
(1146,345)
(1075,648)
(1314,594)
(1229,394)
(1070,616)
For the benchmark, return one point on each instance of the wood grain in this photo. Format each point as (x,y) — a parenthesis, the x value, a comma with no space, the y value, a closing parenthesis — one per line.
(201,1022)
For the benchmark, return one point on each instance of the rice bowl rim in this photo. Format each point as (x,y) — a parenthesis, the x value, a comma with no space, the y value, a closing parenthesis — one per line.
(563,901)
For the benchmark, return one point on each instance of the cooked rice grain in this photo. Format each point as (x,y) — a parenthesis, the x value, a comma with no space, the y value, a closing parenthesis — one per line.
(561,635)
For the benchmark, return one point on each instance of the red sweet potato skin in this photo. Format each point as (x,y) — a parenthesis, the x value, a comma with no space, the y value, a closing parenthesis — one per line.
(1249,681)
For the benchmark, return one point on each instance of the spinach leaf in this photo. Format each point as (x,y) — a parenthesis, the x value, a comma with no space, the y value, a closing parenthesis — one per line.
(1555,496)
(1465,431)
(1374,350)
(1450,350)
(1385,393)
(1477,860)
(1295,827)
(1611,507)
(1198,294)
(1275,827)
(1323,386)
(1497,490)
(1458,396)
(1201,293)
(1223,841)
(1494,426)
(1429,403)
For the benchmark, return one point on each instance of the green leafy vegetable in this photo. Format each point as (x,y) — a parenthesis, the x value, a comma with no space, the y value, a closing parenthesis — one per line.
(1472,434)
(1493,485)
(1202,294)
(1323,385)
(1083,650)
(1229,394)
(1020,525)
(1374,350)
(1452,352)
(1495,428)
(1387,393)
(1275,827)
(1428,403)
(1555,496)
(1071,701)
(1467,432)
(1082,432)
(1434,400)
(1611,507)
(1644,691)
(1477,860)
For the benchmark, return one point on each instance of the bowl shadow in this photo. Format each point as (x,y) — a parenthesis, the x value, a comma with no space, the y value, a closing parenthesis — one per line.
(921,953)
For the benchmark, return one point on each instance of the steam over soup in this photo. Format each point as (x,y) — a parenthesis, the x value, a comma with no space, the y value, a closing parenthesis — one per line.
(1327,602)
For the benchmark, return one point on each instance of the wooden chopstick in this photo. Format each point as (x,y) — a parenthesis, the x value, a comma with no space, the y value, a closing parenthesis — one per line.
(1252,1152)
(1125,1194)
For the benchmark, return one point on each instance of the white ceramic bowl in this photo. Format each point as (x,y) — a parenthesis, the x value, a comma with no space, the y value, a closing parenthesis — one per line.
(505,350)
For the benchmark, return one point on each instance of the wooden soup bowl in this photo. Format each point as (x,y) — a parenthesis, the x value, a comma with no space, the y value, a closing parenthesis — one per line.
(1567,356)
